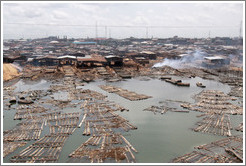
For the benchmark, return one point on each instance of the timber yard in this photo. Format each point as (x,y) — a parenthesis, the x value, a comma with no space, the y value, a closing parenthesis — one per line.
(133,100)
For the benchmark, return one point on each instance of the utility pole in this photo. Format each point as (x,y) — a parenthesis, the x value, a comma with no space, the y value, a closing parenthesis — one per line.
(96,30)
(106,32)
(147,32)
(240,30)
(109,33)
(209,34)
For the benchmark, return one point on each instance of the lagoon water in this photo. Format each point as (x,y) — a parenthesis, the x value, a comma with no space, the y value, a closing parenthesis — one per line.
(159,137)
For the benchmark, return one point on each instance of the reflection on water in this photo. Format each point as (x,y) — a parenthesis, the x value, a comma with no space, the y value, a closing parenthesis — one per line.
(159,138)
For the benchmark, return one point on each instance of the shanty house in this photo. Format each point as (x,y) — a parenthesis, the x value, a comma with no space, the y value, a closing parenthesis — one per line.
(67,60)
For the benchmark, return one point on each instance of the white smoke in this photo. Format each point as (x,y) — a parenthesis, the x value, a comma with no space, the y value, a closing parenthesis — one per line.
(190,58)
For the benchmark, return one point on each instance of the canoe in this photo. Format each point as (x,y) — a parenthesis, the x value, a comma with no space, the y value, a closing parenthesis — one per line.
(199,84)
(183,84)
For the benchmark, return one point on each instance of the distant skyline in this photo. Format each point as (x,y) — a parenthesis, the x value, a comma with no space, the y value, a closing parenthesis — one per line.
(122,20)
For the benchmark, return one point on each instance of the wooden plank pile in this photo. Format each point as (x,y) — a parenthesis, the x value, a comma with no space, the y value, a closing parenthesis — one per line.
(64,123)
(216,124)
(227,150)
(9,147)
(26,112)
(104,147)
(47,149)
(124,93)
(213,101)
(85,94)
(28,130)
(106,142)
(101,118)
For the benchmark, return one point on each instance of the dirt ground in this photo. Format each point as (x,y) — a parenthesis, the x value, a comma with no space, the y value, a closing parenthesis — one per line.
(10,72)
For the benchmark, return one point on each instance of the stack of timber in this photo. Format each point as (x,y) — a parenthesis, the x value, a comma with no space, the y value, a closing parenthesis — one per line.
(28,130)
(106,142)
(213,101)
(102,71)
(227,150)
(124,93)
(105,147)
(28,112)
(9,147)
(231,147)
(64,123)
(47,149)
(85,94)
(68,71)
(99,119)
(215,124)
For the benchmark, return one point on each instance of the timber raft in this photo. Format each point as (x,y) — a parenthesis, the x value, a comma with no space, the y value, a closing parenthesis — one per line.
(124,93)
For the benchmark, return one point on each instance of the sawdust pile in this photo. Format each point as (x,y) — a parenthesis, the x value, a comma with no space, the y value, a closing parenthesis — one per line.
(10,72)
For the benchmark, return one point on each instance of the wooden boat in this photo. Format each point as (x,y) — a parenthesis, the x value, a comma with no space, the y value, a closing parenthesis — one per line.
(12,100)
(183,84)
(199,84)
(25,101)
(173,81)
(165,78)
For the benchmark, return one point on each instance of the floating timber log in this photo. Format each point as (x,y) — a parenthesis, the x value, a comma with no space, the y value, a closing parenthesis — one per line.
(124,93)
(183,84)
(9,147)
(227,150)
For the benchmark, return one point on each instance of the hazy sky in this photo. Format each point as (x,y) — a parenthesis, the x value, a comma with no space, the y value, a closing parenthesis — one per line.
(182,19)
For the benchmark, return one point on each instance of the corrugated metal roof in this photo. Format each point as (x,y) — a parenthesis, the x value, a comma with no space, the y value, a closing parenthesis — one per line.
(84,42)
(67,56)
(96,59)
(214,58)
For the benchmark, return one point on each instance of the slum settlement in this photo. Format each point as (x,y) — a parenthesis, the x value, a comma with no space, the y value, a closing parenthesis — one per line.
(112,100)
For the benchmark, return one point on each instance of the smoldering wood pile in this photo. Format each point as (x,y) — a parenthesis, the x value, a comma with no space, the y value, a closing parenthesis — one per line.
(124,93)
(227,150)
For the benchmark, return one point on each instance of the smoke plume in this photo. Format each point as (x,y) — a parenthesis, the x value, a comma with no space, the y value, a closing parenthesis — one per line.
(184,61)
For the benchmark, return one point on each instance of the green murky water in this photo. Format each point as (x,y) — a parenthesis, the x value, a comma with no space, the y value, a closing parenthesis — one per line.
(159,138)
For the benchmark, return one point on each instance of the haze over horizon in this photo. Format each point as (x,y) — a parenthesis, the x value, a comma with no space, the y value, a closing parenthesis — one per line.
(122,20)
